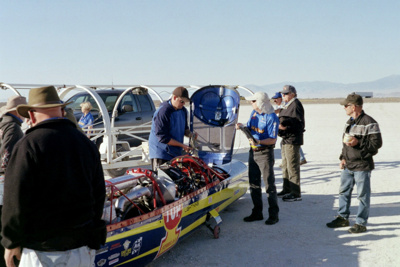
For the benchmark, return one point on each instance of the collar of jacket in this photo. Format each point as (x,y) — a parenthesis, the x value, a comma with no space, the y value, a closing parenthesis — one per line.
(288,103)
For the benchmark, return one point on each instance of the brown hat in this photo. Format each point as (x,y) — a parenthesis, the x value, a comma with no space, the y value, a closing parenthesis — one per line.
(12,103)
(352,98)
(288,89)
(181,92)
(42,97)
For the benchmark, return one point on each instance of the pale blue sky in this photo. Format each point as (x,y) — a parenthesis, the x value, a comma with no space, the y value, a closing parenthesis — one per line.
(199,42)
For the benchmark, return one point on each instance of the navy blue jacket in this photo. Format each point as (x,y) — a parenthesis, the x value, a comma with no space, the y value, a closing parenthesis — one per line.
(168,123)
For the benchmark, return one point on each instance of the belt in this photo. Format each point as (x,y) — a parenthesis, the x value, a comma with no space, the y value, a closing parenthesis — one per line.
(256,149)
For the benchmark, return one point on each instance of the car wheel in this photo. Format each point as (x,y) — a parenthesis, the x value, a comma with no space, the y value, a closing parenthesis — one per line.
(120,171)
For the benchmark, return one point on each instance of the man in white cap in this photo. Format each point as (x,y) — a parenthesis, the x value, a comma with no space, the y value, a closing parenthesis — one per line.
(263,126)
(54,193)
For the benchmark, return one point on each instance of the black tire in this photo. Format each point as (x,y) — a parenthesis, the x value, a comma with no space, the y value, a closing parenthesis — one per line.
(116,172)
(120,171)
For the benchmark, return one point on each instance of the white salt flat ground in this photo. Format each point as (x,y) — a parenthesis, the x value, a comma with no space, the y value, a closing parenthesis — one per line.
(301,237)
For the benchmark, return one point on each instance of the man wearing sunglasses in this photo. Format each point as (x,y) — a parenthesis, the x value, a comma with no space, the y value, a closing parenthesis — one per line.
(263,126)
(168,129)
(291,129)
(361,140)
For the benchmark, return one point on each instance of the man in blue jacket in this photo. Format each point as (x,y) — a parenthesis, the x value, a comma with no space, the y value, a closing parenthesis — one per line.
(361,140)
(168,129)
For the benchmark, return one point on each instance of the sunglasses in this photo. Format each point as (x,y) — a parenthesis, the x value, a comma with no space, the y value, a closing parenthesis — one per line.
(348,105)
(285,93)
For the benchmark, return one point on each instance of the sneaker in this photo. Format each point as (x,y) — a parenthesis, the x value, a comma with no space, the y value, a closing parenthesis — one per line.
(282,193)
(338,222)
(291,198)
(304,161)
(356,229)
(253,217)
(272,220)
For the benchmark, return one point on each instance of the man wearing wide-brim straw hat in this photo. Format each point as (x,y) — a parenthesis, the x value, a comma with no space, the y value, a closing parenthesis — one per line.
(54,193)
(42,98)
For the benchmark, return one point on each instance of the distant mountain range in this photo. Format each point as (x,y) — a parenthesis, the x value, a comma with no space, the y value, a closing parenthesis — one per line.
(385,87)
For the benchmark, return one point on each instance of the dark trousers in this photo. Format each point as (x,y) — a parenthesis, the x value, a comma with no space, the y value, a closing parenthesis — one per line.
(262,163)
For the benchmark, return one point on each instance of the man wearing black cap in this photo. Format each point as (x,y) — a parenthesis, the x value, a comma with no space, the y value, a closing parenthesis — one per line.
(169,126)
(55,191)
(361,140)
(291,130)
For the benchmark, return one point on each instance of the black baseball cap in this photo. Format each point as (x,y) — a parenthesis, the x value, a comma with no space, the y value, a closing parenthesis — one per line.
(181,92)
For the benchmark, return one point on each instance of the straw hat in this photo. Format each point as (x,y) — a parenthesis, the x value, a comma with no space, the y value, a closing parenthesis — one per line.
(12,103)
(42,97)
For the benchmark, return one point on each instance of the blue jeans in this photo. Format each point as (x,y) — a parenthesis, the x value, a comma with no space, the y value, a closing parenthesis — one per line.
(302,157)
(363,181)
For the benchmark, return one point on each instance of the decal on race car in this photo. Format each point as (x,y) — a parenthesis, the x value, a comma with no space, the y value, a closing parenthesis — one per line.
(171,220)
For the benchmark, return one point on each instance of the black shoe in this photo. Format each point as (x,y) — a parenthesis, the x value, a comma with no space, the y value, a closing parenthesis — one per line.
(282,193)
(291,198)
(339,222)
(253,217)
(304,161)
(272,220)
(356,229)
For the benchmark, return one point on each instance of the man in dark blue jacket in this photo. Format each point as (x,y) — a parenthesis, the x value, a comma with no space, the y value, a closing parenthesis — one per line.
(168,129)
(361,140)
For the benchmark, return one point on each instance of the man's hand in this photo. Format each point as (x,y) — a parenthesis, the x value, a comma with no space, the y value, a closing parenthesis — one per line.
(9,256)
(353,142)
(254,142)
(187,148)
(342,164)
(238,125)
(193,135)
